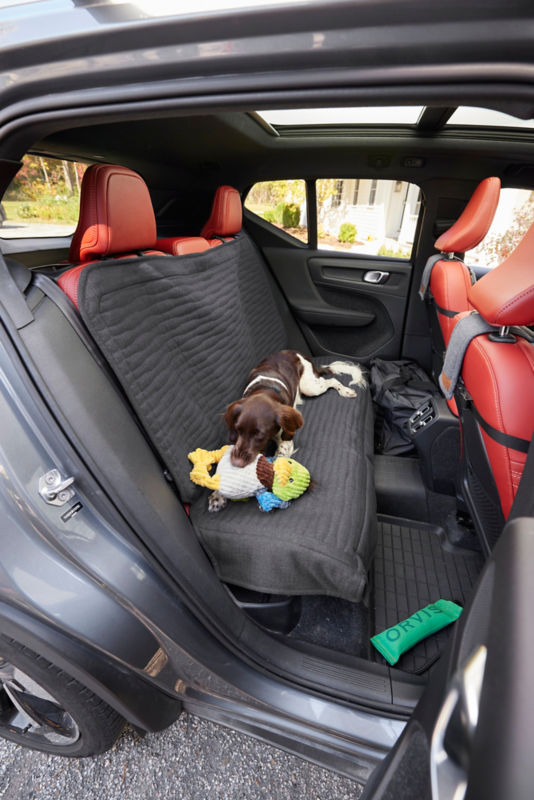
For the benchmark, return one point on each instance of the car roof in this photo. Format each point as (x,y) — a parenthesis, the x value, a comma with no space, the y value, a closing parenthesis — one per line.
(178,96)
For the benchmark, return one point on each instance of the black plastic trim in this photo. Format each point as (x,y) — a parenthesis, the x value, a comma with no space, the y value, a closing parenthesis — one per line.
(140,703)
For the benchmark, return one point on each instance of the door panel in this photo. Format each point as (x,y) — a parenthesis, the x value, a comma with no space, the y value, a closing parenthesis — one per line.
(340,311)
(37,252)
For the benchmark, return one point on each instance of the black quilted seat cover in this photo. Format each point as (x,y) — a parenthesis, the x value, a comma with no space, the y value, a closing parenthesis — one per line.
(181,334)
(323,543)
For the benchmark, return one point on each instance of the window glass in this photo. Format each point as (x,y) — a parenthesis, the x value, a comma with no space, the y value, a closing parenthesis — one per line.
(468,115)
(282,203)
(367,216)
(514,216)
(43,199)
(392,115)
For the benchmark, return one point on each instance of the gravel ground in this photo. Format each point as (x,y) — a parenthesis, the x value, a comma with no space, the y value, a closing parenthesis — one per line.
(192,760)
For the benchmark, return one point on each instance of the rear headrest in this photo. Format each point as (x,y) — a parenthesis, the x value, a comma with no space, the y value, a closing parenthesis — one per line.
(505,296)
(226,216)
(474,221)
(183,245)
(116,214)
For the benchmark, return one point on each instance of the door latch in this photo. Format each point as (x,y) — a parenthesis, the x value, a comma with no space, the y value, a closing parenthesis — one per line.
(375,276)
(55,490)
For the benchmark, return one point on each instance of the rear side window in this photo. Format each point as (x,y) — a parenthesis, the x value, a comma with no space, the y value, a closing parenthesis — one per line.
(514,216)
(283,204)
(368,216)
(43,199)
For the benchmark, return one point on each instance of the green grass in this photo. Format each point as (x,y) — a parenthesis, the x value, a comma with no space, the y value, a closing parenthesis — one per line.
(47,209)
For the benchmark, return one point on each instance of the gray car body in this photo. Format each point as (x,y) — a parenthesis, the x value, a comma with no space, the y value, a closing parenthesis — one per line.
(87,593)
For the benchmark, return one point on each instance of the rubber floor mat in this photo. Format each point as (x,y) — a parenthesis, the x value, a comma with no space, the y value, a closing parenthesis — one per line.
(415,566)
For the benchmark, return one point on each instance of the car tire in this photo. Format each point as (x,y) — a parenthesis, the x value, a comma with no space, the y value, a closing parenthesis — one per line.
(44,708)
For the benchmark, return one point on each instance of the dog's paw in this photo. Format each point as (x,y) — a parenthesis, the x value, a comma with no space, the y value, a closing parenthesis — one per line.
(216,502)
(345,391)
(285,449)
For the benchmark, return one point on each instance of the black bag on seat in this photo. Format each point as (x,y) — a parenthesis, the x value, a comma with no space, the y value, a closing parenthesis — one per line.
(398,389)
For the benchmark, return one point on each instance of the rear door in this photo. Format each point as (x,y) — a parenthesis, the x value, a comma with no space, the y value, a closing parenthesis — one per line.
(347,276)
(471,734)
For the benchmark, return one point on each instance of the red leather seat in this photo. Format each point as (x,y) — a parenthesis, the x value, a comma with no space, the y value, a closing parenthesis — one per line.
(225,222)
(226,218)
(182,245)
(116,221)
(450,280)
(498,376)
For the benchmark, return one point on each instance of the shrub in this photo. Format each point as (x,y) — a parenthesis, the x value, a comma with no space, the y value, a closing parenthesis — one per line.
(287,215)
(269,214)
(383,250)
(347,233)
(27,212)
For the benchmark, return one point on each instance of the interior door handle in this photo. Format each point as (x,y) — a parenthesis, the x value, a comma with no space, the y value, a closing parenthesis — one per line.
(375,276)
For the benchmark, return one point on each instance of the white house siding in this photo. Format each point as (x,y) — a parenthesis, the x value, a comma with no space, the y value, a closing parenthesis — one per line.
(386,218)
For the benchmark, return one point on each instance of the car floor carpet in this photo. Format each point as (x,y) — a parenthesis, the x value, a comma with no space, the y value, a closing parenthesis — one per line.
(334,623)
(414,566)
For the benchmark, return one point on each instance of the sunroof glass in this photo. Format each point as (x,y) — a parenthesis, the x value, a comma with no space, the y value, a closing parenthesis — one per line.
(390,115)
(468,115)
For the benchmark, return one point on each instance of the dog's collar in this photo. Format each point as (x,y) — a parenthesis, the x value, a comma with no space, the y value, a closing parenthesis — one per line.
(262,379)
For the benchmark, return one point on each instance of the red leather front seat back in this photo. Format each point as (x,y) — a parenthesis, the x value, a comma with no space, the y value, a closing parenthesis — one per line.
(499,375)
(450,280)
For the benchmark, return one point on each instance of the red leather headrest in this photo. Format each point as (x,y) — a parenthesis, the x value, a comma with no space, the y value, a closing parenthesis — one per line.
(474,221)
(505,296)
(183,245)
(116,214)
(226,218)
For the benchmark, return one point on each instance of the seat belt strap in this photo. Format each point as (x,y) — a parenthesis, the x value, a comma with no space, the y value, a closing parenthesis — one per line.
(425,278)
(504,439)
(523,505)
(14,279)
(464,332)
(49,288)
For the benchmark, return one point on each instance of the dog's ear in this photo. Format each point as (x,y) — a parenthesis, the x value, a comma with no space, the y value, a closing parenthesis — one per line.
(290,420)
(230,416)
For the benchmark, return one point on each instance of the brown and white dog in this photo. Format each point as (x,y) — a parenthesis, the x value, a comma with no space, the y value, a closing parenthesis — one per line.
(267,410)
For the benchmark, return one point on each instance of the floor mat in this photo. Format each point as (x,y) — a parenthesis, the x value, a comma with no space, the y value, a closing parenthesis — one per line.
(334,623)
(414,566)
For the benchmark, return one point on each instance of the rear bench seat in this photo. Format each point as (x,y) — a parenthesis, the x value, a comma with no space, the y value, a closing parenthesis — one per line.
(181,334)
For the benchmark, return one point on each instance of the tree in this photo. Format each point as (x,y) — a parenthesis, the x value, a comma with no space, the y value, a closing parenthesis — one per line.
(498,247)
(270,193)
(325,188)
(41,177)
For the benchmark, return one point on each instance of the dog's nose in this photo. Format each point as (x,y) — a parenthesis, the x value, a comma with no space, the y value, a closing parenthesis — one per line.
(238,460)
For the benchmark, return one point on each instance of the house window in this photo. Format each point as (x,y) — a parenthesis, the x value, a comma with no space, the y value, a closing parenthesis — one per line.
(356,192)
(372,192)
(338,193)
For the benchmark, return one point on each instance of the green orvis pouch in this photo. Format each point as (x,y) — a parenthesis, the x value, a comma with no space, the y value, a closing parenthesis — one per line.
(395,641)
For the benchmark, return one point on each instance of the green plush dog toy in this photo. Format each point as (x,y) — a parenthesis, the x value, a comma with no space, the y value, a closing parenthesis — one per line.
(274,482)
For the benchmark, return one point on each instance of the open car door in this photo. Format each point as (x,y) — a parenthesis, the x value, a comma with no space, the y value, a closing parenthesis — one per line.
(472,733)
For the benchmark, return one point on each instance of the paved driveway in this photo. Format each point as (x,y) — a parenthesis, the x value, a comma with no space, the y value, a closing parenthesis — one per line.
(192,760)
